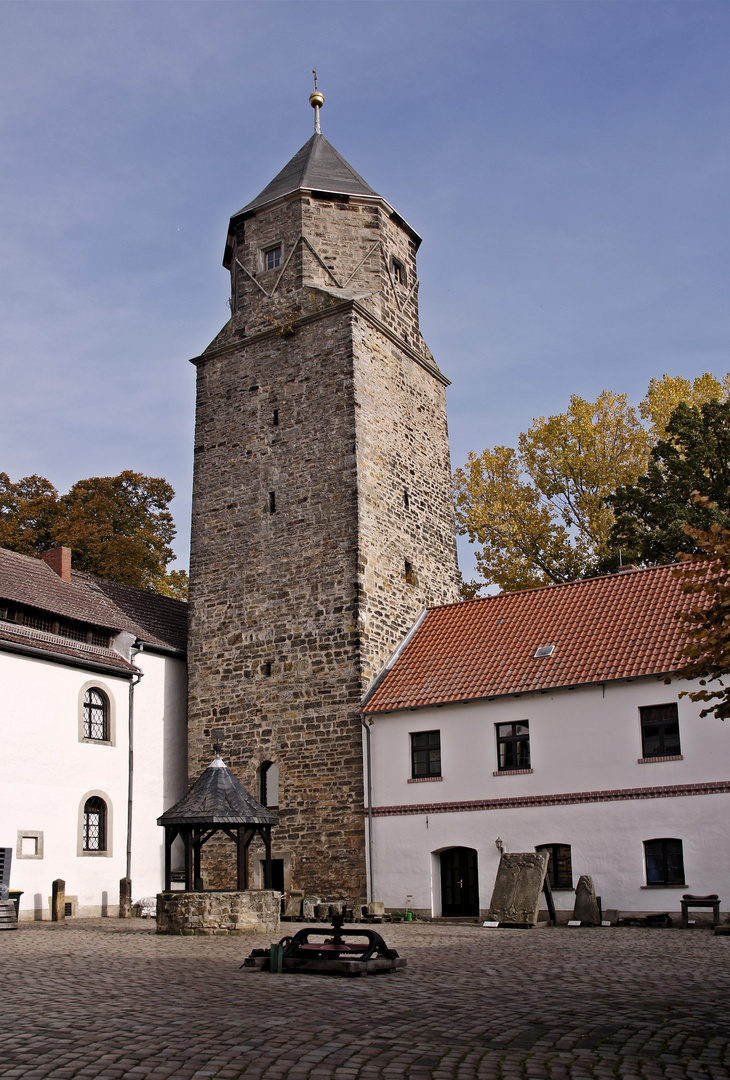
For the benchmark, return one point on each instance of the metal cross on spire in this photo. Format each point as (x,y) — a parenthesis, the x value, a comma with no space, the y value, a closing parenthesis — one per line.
(316,100)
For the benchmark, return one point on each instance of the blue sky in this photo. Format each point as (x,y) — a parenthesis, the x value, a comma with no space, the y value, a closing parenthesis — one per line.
(566,164)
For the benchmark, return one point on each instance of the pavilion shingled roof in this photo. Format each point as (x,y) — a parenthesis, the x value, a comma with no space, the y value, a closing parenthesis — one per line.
(218,798)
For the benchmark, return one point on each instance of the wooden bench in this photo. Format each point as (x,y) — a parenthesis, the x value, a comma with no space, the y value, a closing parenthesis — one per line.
(689,901)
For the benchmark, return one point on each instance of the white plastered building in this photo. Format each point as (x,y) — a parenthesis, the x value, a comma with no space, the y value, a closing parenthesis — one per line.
(94,686)
(548,718)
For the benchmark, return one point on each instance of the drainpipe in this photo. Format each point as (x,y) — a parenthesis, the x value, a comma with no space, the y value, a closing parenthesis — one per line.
(136,648)
(366,725)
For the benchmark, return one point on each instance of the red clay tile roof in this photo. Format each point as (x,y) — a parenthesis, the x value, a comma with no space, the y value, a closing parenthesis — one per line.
(621,626)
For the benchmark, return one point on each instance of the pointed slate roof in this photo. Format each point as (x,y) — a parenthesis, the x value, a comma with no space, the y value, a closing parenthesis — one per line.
(218,798)
(317,166)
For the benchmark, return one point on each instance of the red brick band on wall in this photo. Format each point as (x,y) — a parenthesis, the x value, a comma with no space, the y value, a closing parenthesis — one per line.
(718,787)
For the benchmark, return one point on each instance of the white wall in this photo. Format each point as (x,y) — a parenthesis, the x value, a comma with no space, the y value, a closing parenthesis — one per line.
(160,763)
(47,772)
(584,740)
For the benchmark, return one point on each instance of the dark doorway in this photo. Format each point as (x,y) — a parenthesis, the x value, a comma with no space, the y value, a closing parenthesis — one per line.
(459,882)
(277,874)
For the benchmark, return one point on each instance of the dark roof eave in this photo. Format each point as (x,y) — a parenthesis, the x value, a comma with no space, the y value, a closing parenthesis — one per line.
(52,657)
(162,650)
(462,699)
(252,209)
(215,819)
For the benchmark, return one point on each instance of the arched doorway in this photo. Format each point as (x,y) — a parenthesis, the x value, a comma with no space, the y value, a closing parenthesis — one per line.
(459,882)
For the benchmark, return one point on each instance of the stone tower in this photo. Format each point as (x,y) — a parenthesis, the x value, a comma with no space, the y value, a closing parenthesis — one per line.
(322,512)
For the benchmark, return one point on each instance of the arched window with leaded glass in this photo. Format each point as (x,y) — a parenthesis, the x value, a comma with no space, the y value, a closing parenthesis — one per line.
(94,824)
(96,715)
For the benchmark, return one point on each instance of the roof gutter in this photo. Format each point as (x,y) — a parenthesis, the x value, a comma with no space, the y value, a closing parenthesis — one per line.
(460,699)
(136,649)
(68,661)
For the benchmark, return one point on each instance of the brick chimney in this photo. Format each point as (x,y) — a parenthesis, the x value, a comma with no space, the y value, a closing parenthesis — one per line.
(59,559)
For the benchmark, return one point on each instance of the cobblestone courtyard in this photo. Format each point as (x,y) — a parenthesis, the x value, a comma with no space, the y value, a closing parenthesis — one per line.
(109,999)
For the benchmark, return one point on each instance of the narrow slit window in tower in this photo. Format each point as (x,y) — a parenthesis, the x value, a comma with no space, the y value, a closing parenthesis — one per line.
(276,417)
(272,502)
(409,573)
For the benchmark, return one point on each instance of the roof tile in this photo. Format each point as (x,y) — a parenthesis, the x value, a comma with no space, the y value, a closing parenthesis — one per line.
(154,619)
(621,626)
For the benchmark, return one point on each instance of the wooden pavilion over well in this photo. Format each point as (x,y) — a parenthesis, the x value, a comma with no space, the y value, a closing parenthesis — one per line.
(217,802)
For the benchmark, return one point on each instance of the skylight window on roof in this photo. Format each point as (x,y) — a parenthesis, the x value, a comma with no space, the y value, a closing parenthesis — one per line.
(544,651)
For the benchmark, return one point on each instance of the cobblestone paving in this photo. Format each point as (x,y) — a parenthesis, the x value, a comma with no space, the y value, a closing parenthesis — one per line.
(109,1000)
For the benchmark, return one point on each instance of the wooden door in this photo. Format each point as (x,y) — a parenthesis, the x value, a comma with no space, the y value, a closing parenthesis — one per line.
(459,882)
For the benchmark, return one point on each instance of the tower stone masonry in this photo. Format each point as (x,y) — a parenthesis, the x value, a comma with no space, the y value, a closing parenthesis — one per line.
(322,512)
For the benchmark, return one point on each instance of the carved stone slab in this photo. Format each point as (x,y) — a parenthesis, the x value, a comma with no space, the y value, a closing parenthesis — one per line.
(586,905)
(518,888)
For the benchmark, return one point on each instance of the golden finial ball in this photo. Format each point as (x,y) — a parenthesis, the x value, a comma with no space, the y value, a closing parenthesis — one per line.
(316,99)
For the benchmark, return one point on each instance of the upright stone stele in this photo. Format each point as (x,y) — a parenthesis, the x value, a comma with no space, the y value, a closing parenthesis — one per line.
(125,898)
(58,901)
(586,905)
(518,888)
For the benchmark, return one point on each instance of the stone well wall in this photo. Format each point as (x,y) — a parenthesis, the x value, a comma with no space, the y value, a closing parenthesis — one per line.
(189,913)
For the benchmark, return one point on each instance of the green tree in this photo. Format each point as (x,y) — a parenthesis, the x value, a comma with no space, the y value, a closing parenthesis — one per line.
(118,527)
(705,575)
(694,455)
(539,514)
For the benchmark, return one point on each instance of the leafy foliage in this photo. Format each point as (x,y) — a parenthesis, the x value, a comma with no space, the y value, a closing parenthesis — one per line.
(547,511)
(694,455)
(539,514)
(28,513)
(665,394)
(118,527)
(706,575)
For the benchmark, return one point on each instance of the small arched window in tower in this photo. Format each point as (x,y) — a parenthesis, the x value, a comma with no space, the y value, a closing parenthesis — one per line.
(272,502)
(399,272)
(276,417)
(410,574)
(96,715)
(269,784)
(94,836)
(406,498)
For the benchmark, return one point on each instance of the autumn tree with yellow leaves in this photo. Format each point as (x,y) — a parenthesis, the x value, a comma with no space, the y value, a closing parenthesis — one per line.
(544,513)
